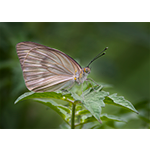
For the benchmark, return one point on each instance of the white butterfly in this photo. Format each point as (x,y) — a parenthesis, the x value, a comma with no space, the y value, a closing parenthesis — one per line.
(46,69)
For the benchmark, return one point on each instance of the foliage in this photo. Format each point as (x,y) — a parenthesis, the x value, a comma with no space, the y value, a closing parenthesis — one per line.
(89,105)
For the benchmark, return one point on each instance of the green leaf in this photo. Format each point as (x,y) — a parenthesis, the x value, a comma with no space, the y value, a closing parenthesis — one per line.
(76,96)
(119,101)
(82,112)
(50,95)
(89,122)
(93,101)
(47,98)
(63,111)
(87,118)
(64,126)
(106,117)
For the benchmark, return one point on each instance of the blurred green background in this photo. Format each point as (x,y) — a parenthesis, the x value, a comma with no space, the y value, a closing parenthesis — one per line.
(126,66)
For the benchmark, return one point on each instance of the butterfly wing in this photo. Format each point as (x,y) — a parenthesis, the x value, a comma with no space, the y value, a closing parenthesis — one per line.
(46,69)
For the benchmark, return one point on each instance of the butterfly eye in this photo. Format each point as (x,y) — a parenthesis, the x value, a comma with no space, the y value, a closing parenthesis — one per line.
(87,70)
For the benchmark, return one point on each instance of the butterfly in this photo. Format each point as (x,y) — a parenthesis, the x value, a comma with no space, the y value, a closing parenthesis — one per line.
(47,69)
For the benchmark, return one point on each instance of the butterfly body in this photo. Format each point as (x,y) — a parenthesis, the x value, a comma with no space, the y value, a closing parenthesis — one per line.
(46,69)
(80,77)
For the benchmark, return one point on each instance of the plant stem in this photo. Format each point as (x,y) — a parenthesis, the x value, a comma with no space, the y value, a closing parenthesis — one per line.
(73,115)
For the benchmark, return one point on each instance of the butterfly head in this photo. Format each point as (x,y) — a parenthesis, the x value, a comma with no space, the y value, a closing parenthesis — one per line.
(86,70)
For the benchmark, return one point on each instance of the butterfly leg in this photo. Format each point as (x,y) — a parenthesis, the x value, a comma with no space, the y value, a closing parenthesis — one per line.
(87,84)
(93,81)
(90,79)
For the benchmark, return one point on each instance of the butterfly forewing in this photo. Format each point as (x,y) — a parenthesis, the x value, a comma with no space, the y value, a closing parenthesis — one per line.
(44,68)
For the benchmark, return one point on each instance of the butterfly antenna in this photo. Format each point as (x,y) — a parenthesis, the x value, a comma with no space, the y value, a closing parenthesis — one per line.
(99,55)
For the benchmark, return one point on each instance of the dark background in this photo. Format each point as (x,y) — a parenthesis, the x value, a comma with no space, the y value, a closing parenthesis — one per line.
(125,66)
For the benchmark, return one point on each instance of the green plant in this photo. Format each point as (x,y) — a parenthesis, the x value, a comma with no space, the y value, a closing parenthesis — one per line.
(81,109)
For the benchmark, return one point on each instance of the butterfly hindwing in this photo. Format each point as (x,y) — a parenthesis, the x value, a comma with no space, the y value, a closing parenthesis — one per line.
(46,69)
